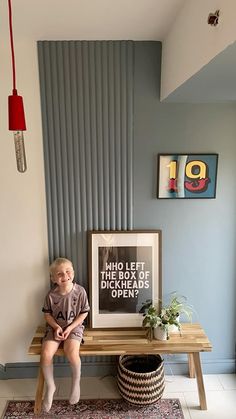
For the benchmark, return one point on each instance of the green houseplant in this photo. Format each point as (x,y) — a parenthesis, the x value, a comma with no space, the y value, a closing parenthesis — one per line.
(166,317)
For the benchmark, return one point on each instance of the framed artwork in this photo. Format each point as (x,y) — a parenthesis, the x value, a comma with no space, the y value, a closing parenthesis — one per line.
(187,175)
(124,272)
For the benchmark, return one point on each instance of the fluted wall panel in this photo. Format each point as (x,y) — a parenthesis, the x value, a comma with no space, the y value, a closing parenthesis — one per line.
(87,115)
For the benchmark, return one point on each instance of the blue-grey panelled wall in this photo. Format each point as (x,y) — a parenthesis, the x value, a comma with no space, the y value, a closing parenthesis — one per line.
(87,116)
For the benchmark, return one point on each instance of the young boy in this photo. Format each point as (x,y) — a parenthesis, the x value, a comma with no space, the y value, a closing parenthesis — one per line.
(65,308)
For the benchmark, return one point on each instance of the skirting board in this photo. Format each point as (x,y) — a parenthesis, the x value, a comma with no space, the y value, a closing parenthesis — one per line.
(99,369)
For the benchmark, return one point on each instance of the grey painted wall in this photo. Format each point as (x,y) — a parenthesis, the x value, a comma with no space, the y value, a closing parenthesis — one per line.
(199,236)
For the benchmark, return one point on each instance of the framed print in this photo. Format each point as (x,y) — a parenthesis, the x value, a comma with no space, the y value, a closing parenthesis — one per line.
(124,272)
(187,175)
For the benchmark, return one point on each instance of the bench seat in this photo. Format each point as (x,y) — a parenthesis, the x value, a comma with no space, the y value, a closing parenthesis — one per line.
(191,341)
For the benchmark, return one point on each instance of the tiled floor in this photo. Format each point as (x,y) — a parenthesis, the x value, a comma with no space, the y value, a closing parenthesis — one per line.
(220,390)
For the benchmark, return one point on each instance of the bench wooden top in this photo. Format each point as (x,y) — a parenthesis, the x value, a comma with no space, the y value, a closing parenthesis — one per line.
(133,341)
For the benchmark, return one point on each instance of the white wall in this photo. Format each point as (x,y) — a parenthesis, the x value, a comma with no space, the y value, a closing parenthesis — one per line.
(192,43)
(23,256)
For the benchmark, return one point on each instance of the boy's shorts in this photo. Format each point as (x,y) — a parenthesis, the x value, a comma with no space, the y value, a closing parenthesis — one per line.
(77,334)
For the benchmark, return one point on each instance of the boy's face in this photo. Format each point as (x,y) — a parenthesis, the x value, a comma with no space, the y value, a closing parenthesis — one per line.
(63,274)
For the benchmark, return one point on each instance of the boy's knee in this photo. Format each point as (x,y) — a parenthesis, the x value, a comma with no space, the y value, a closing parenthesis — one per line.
(69,351)
(46,356)
(72,354)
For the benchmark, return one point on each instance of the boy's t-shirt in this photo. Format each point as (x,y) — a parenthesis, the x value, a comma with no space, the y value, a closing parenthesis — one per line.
(65,308)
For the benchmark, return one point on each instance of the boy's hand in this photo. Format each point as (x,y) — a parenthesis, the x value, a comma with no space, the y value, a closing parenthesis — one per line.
(58,333)
(66,332)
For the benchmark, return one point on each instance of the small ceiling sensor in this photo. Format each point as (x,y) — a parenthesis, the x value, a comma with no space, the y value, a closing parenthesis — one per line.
(213,18)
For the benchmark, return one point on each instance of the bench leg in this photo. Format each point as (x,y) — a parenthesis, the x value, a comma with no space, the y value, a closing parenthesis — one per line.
(39,393)
(191,366)
(200,382)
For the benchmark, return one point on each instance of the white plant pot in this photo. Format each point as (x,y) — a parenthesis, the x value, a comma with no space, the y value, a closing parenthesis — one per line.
(159,333)
(172,328)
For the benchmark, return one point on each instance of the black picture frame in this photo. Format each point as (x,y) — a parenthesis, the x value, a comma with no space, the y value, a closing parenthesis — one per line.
(124,272)
(187,176)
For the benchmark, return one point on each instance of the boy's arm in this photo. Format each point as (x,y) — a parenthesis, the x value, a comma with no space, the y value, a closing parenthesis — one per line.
(51,321)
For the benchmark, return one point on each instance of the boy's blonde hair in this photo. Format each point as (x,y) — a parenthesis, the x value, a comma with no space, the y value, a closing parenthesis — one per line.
(57,262)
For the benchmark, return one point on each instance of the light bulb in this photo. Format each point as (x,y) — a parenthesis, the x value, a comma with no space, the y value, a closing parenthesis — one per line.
(20,151)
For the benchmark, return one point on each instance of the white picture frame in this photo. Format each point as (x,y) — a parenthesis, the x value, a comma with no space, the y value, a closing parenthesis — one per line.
(124,272)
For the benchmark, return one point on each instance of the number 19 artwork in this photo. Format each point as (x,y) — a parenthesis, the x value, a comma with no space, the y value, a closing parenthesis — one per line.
(187,175)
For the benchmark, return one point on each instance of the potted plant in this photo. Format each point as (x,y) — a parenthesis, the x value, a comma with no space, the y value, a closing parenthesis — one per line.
(160,321)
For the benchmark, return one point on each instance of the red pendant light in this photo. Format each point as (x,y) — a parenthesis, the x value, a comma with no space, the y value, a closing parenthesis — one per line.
(16,110)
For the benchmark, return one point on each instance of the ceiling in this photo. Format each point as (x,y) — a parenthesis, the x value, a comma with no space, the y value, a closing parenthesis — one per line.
(91,19)
(120,20)
(214,83)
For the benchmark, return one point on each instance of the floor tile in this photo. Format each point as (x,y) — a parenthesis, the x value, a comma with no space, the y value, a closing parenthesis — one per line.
(108,388)
(179,382)
(228,381)
(18,388)
(220,404)
(89,386)
(23,398)
(6,389)
(63,387)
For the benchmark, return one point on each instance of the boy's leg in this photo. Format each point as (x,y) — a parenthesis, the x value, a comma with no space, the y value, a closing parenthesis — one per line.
(71,348)
(49,348)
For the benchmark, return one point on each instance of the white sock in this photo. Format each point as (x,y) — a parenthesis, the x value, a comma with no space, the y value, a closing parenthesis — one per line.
(75,389)
(50,387)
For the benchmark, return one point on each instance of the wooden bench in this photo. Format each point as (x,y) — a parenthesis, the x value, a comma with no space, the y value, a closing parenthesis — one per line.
(192,341)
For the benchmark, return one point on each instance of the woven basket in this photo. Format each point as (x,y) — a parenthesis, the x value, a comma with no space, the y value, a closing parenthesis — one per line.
(141,378)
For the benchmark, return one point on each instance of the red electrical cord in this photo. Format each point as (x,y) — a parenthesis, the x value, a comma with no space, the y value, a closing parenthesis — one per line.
(12,48)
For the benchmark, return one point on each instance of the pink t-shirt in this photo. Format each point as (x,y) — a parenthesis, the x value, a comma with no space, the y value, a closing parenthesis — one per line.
(65,308)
